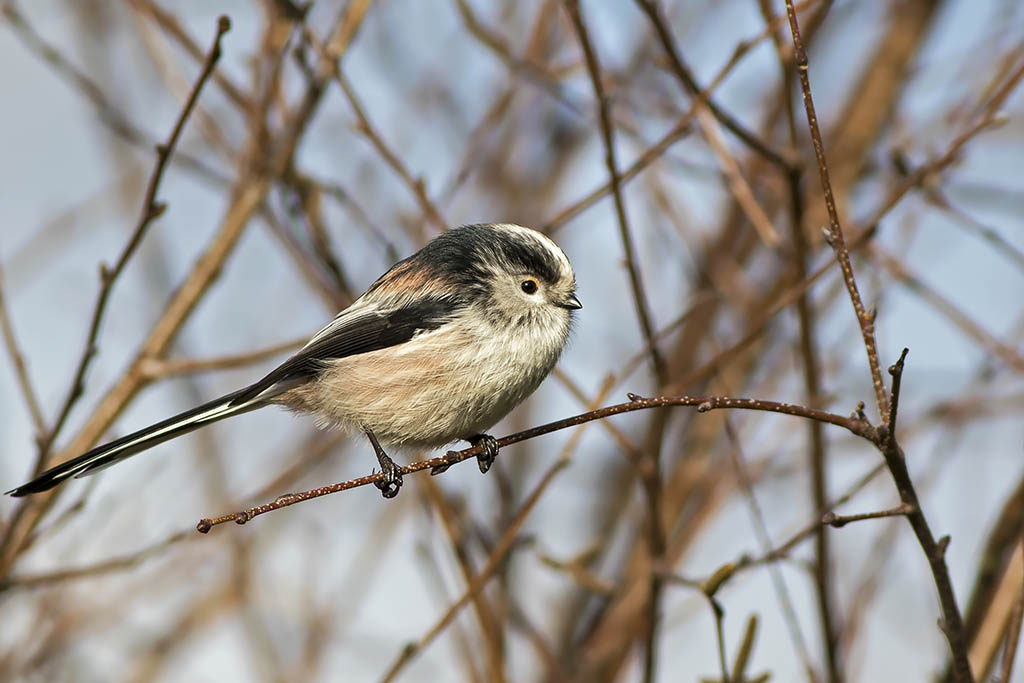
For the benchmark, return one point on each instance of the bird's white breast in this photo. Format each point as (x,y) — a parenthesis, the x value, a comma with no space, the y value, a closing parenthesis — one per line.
(442,386)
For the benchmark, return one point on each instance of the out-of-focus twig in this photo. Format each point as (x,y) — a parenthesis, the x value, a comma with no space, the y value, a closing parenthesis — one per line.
(652,478)
(947,308)
(102,568)
(159,368)
(737,183)
(1012,639)
(28,393)
(172,26)
(415,185)
(739,464)
(608,139)
(107,111)
(151,210)
(504,545)
(682,71)
(675,133)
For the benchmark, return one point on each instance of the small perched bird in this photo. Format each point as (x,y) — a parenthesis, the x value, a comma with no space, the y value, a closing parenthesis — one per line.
(438,349)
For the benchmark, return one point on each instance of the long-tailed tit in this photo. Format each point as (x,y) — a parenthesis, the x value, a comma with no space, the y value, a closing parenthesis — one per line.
(438,349)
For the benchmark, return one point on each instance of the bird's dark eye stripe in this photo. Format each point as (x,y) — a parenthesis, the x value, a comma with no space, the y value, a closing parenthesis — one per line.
(529,286)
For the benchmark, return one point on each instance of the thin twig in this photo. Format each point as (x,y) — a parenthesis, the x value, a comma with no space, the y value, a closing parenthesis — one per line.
(151,209)
(811,365)
(817,453)
(501,549)
(865,319)
(689,82)
(20,368)
(167,367)
(864,234)
(170,25)
(703,404)
(608,139)
(839,521)
(415,185)
(1012,632)
(248,195)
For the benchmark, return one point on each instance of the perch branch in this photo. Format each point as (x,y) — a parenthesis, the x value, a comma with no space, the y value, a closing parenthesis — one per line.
(703,404)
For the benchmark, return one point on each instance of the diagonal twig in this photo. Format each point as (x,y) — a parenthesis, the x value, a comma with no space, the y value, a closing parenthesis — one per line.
(415,185)
(151,210)
(20,368)
(686,77)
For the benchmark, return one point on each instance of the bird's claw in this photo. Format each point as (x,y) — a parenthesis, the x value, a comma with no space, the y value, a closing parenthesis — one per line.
(488,451)
(391,484)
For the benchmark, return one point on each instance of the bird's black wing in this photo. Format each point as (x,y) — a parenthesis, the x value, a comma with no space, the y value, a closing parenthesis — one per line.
(354,332)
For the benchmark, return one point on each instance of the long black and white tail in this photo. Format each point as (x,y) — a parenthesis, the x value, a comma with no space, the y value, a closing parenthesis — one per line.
(127,446)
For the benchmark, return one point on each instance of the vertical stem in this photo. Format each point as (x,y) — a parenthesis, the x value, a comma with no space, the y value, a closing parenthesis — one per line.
(608,138)
(865,320)
(817,451)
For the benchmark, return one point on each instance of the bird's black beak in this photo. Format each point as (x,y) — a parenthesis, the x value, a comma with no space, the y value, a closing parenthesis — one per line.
(571,303)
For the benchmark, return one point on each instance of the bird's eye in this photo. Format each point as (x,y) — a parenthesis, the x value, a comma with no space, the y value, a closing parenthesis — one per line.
(529,286)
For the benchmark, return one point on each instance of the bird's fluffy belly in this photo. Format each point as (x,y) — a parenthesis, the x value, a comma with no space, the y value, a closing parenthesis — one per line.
(420,396)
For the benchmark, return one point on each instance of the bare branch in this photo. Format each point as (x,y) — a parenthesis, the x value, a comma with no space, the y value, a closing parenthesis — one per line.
(151,210)
(159,368)
(682,71)
(702,404)
(1012,639)
(20,369)
(865,319)
(415,185)
(608,138)
(839,521)
(935,551)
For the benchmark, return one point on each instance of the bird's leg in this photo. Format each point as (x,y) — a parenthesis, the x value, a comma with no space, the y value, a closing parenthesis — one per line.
(488,450)
(392,481)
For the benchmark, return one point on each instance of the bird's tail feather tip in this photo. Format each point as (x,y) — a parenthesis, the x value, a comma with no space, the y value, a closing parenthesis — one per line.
(25,489)
(104,456)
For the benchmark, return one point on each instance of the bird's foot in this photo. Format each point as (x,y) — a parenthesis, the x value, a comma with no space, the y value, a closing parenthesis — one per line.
(391,483)
(488,450)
